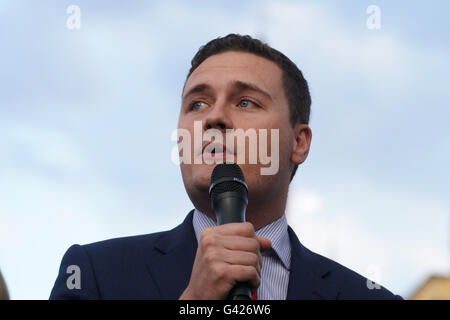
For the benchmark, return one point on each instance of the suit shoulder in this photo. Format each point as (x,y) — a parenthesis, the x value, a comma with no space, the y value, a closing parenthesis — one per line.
(123,245)
(135,244)
(116,268)
(350,284)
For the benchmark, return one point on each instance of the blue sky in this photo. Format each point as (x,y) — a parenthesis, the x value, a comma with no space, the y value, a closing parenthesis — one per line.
(86,118)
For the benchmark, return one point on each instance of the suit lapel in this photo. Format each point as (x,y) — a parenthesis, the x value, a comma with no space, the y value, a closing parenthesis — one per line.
(307,277)
(171,261)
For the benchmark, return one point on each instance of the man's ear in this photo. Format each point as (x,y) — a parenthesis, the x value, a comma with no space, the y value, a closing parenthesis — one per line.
(302,142)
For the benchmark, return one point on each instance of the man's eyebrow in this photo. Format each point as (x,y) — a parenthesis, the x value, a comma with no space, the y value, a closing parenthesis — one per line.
(237,84)
(241,86)
(197,89)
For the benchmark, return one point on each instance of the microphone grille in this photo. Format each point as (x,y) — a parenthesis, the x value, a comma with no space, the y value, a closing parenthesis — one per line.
(227,177)
(224,170)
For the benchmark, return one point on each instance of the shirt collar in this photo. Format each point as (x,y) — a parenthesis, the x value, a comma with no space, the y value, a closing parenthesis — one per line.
(276,232)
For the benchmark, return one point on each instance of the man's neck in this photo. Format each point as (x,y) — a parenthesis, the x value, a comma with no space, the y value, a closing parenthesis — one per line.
(262,213)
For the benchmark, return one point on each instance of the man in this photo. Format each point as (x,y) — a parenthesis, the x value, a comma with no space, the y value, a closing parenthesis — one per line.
(4,295)
(235,82)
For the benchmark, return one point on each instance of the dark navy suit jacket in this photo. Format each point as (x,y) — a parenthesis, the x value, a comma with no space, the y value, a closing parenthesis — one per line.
(159,265)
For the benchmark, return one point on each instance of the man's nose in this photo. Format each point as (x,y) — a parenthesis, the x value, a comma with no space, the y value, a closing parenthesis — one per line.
(218,117)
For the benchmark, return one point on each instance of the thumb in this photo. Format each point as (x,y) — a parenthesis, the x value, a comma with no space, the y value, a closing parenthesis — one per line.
(264,243)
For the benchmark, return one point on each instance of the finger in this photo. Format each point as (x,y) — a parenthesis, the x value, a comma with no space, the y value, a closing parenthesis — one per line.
(242,258)
(242,273)
(243,229)
(264,243)
(239,243)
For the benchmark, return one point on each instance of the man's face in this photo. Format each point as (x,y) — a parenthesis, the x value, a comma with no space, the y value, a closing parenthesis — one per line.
(236,90)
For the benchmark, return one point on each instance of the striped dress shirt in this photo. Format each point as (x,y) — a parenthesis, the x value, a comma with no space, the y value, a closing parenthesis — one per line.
(276,262)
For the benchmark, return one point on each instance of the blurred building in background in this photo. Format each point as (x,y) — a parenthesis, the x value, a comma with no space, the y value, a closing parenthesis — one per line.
(434,288)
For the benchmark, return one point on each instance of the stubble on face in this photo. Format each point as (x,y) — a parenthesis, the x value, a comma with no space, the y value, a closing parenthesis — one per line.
(219,71)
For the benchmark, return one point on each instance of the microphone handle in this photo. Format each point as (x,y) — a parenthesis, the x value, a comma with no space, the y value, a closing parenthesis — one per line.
(230,207)
(240,291)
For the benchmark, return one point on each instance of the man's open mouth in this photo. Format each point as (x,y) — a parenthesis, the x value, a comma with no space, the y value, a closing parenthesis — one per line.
(215,150)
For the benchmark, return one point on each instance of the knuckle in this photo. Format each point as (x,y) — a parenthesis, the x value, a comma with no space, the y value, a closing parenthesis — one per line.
(205,232)
(249,228)
(249,271)
(254,259)
(252,275)
(256,283)
(210,256)
(219,271)
(207,239)
(255,245)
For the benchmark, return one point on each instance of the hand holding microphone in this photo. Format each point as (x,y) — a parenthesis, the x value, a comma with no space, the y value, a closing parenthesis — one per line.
(228,259)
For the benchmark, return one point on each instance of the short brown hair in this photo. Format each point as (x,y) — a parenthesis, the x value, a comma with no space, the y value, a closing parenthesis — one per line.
(295,86)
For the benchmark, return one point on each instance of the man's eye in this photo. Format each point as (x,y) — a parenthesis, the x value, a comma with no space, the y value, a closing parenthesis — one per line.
(244,103)
(196,105)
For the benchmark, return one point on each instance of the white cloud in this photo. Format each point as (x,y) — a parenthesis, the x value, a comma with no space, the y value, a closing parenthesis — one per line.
(305,203)
(314,37)
(43,147)
(402,260)
(51,198)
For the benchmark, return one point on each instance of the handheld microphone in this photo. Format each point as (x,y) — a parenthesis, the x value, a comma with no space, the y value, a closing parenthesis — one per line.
(229,199)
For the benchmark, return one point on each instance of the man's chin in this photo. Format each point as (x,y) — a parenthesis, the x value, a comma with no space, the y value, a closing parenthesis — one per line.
(197,179)
(201,174)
